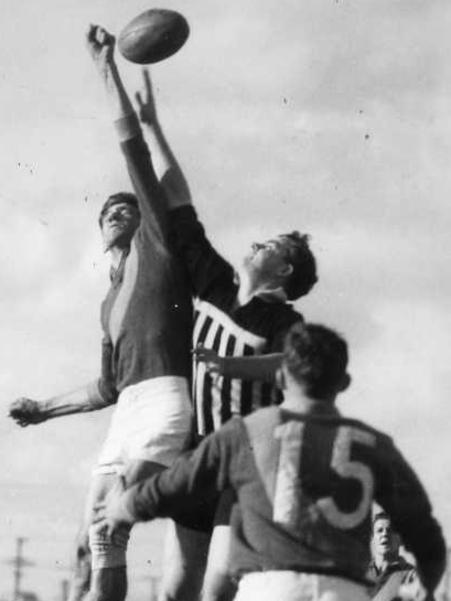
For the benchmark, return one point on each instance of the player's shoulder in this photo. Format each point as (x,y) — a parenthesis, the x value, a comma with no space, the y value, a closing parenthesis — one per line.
(263,421)
(231,430)
(382,442)
(266,415)
(353,422)
(260,424)
(274,414)
(285,311)
(279,318)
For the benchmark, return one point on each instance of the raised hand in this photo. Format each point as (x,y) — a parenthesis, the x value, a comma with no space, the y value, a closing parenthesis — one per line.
(146,101)
(26,412)
(100,45)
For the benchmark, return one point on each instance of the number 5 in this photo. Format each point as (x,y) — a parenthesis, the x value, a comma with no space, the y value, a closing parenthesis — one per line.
(346,468)
(288,490)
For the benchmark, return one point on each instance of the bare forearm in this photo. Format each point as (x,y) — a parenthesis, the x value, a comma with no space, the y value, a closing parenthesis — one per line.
(167,167)
(263,367)
(81,400)
(117,96)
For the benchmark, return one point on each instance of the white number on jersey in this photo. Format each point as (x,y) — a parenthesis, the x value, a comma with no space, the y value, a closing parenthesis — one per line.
(288,490)
(288,485)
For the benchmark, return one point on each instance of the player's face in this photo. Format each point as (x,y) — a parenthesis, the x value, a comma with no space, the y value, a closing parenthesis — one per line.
(385,539)
(119,223)
(269,258)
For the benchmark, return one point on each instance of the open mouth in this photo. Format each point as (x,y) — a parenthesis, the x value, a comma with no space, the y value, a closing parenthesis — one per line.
(116,225)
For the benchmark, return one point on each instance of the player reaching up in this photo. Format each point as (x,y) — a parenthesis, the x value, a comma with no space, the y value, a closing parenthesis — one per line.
(305,478)
(146,362)
(237,314)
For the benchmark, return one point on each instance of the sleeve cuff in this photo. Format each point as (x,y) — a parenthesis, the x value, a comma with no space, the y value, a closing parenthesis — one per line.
(95,397)
(127,127)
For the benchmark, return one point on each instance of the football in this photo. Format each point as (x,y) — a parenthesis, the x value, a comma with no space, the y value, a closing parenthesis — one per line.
(153,36)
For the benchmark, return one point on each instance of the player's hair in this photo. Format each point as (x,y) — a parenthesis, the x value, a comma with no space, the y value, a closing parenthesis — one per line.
(299,255)
(317,357)
(114,199)
(381,515)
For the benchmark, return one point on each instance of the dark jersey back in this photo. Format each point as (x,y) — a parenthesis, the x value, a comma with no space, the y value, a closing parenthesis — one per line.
(311,490)
(313,494)
(305,485)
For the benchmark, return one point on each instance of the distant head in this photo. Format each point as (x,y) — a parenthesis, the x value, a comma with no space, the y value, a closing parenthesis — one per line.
(119,219)
(385,541)
(315,361)
(283,262)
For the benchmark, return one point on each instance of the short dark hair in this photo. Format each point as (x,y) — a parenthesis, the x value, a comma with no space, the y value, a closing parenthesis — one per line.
(299,255)
(114,199)
(317,357)
(381,515)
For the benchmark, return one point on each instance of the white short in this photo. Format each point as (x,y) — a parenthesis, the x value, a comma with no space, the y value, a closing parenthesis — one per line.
(152,422)
(296,586)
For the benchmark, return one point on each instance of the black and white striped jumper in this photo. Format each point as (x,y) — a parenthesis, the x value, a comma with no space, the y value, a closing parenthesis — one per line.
(221,324)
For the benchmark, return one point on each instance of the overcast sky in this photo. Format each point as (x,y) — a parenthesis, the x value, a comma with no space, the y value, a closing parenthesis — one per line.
(329,116)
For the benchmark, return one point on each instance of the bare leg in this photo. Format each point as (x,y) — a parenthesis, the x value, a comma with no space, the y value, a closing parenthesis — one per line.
(110,583)
(81,578)
(218,585)
(185,559)
(100,484)
(185,556)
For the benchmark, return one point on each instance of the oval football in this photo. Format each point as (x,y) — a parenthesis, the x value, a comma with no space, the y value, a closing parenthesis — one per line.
(153,36)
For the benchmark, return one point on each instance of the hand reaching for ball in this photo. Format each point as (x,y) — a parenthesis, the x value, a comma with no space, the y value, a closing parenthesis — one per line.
(100,45)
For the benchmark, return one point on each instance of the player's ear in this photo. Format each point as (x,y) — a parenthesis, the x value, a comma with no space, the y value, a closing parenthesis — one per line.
(280,379)
(345,382)
(285,270)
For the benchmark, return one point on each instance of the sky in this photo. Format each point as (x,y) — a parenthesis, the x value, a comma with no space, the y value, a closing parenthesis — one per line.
(328,116)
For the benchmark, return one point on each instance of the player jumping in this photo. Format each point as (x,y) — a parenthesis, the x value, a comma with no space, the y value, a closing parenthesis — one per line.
(146,362)
(242,314)
(306,478)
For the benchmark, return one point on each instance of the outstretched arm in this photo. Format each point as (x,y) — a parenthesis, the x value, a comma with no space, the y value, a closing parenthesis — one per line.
(166,165)
(260,367)
(193,482)
(25,411)
(92,396)
(147,188)
(100,45)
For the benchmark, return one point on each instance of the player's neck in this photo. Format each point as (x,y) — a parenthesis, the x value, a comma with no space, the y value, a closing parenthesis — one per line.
(296,401)
(382,560)
(251,285)
(115,253)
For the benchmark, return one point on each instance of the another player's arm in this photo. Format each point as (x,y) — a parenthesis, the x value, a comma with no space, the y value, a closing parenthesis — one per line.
(165,163)
(194,480)
(206,268)
(148,191)
(261,367)
(402,495)
(27,411)
(90,397)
